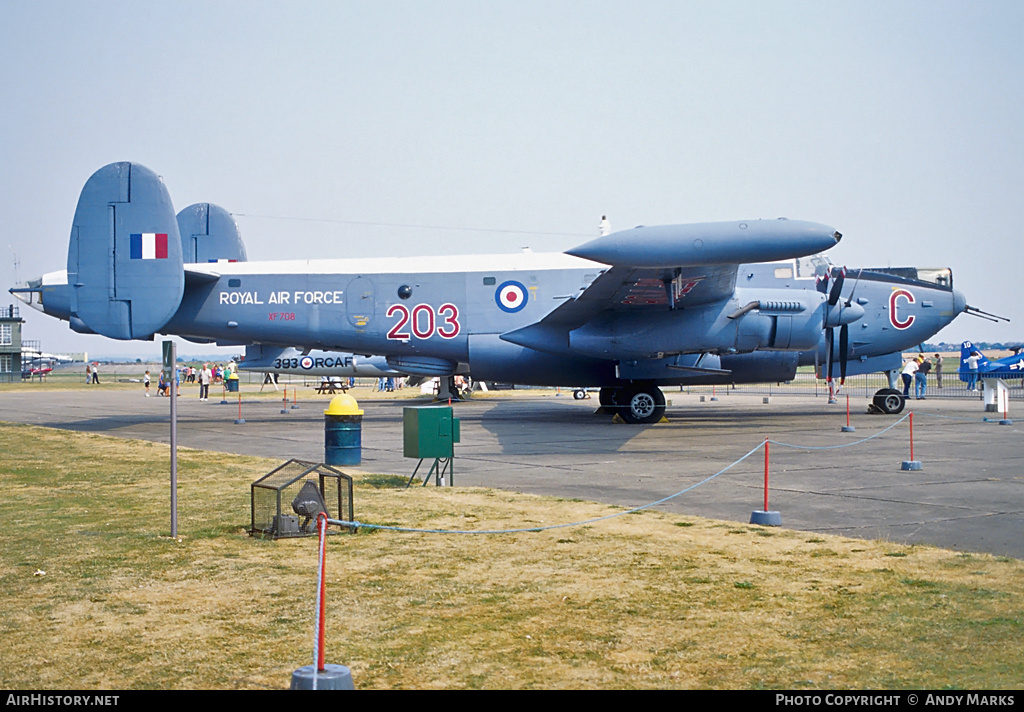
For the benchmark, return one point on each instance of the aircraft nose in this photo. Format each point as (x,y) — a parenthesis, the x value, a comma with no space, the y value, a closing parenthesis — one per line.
(959,302)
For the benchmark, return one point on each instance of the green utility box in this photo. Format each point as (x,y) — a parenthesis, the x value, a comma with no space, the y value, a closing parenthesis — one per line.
(430,431)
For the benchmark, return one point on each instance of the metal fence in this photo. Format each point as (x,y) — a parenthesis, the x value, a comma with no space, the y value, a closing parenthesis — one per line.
(803,384)
(864,386)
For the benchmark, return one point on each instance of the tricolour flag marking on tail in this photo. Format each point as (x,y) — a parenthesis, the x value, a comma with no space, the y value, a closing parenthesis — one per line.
(149,246)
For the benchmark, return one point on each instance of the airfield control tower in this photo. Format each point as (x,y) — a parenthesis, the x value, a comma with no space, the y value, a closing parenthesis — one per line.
(10,344)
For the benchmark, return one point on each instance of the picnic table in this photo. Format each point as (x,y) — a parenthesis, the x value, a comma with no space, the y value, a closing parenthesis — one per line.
(331,387)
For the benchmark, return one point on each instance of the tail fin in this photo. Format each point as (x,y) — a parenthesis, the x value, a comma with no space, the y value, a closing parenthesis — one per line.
(125,265)
(966,349)
(209,234)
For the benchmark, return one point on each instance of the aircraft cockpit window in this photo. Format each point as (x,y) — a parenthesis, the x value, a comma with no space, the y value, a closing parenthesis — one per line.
(942,276)
(812,267)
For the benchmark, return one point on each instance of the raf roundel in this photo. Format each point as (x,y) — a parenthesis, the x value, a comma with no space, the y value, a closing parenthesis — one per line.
(306,362)
(511,296)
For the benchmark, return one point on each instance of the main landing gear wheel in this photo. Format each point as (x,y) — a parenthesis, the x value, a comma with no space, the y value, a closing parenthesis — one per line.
(641,404)
(889,401)
(607,397)
(579,394)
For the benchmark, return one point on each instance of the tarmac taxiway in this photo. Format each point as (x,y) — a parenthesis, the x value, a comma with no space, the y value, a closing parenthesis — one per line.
(968,496)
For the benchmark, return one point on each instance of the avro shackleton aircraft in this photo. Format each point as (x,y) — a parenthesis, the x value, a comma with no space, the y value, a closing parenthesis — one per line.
(627,312)
(274,359)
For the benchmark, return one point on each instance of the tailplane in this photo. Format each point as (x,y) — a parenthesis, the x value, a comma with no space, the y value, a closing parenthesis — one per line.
(125,264)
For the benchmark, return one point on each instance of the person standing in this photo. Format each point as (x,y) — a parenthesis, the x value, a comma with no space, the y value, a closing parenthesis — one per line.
(205,377)
(88,373)
(96,373)
(938,370)
(921,377)
(972,370)
(145,381)
(908,375)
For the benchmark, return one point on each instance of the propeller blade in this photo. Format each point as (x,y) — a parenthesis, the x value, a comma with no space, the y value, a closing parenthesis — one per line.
(837,288)
(849,299)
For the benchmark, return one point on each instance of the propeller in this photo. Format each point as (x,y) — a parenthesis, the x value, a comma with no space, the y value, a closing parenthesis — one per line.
(841,317)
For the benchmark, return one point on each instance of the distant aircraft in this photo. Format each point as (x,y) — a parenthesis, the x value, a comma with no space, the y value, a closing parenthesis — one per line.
(274,359)
(29,353)
(1008,367)
(628,312)
(36,371)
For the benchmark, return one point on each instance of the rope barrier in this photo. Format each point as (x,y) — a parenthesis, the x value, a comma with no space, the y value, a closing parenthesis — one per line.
(835,447)
(356,524)
(412,530)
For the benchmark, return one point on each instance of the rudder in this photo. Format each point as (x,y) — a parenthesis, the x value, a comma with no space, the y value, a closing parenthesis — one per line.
(124,257)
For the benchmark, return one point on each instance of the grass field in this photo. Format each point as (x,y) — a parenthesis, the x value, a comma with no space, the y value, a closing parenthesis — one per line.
(97,595)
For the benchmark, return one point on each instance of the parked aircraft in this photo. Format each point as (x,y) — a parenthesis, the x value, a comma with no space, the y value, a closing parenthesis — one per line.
(274,359)
(627,312)
(34,371)
(28,353)
(1011,366)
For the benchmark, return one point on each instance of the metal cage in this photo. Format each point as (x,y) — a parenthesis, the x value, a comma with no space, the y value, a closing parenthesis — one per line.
(287,500)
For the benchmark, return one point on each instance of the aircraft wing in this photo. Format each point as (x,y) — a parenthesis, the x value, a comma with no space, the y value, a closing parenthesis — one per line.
(628,289)
(661,268)
(644,289)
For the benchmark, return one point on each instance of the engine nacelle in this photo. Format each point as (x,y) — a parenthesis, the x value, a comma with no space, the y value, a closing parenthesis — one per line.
(753,320)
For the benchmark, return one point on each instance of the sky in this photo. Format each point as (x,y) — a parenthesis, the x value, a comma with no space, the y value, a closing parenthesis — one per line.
(357,129)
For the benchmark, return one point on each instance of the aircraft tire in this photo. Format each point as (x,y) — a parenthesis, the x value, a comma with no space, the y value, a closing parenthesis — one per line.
(641,404)
(889,401)
(607,397)
(579,394)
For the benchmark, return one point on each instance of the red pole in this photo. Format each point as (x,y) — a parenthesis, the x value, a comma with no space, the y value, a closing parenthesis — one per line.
(847,410)
(239,404)
(322,521)
(286,395)
(765,475)
(911,436)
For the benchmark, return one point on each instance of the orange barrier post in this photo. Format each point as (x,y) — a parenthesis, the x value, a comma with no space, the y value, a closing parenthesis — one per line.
(911,464)
(848,428)
(765,516)
(766,474)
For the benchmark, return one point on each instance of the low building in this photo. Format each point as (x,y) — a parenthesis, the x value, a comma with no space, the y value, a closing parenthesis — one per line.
(10,344)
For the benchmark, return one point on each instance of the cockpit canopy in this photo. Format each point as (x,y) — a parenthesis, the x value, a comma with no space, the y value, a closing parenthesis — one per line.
(939,276)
